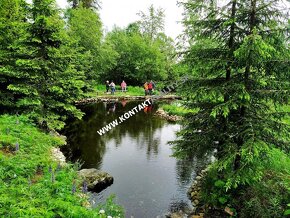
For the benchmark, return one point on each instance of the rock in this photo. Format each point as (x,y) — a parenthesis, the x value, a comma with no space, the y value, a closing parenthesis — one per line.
(196,202)
(96,179)
(198,178)
(194,184)
(177,215)
(229,211)
(193,194)
(160,112)
(58,156)
(189,190)
(196,216)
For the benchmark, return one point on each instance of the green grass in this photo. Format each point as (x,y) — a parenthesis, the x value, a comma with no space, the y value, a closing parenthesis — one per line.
(176,108)
(27,187)
(131,91)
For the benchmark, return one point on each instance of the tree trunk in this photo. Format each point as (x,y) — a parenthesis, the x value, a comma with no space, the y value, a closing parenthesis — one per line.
(252,21)
(228,68)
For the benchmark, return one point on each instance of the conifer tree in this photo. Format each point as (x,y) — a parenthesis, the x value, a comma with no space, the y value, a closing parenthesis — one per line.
(239,62)
(45,81)
(85,29)
(12,27)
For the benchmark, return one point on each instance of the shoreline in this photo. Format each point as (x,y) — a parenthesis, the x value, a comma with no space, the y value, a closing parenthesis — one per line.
(165,115)
(117,98)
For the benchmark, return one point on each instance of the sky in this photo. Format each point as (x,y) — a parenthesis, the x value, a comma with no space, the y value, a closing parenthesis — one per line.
(121,13)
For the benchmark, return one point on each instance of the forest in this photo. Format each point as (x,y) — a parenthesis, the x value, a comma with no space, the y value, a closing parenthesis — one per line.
(235,102)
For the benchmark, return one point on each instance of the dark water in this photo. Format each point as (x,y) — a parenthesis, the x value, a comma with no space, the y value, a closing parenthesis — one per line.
(148,182)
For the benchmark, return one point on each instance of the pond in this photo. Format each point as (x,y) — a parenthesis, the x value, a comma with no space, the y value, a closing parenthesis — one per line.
(148,181)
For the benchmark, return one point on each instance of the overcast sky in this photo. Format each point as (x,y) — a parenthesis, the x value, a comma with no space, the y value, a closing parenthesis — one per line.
(121,13)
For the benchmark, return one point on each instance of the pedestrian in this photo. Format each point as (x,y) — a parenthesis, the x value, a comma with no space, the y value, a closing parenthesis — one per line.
(150,87)
(146,88)
(124,86)
(107,86)
(113,88)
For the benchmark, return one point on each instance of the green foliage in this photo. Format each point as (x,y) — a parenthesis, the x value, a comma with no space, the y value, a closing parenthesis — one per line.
(239,62)
(12,27)
(139,52)
(85,29)
(287,212)
(269,197)
(111,209)
(41,75)
(26,185)
(265,198)
(137,59)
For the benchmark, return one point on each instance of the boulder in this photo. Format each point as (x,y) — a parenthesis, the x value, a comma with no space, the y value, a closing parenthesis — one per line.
(58,156)
(96,179)
(198,178)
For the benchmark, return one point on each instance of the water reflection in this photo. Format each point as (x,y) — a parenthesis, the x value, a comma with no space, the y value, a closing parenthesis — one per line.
(147,181)
(89,146)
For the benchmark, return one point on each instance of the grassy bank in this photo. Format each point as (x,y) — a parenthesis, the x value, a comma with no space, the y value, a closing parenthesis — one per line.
(176,108)
(32,184)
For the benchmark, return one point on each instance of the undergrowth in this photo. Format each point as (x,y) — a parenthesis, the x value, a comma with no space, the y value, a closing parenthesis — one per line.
(32,184)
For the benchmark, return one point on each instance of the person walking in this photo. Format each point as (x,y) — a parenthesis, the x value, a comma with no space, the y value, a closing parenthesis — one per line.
(146,88)
(107,86)
(113,88)
(150,87)
(124,86)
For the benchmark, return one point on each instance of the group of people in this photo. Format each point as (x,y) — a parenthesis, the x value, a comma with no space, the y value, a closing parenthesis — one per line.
(149,87)
(112,86)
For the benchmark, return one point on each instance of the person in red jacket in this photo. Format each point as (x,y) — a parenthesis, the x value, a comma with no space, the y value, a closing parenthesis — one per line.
(151,87)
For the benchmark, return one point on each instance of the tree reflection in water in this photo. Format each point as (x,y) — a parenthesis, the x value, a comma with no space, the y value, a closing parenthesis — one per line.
(88,147)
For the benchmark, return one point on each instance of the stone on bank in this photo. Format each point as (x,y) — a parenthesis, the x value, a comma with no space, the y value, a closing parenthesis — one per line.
(97,180)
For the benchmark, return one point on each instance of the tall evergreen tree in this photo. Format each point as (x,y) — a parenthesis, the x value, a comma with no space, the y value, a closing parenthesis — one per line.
(240,65)
(85,29)
(13,14)
(44,80)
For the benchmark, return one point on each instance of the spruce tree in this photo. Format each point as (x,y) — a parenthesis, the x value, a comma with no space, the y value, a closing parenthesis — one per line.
(44,78)
(239,62)
(85,29)
(13,25)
